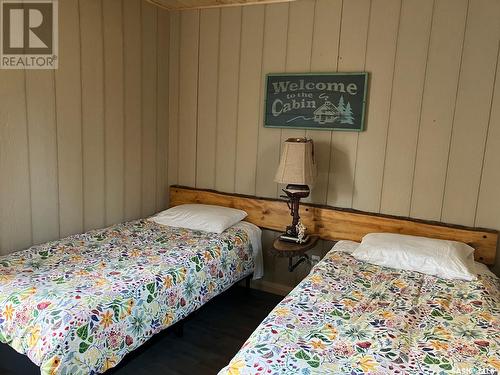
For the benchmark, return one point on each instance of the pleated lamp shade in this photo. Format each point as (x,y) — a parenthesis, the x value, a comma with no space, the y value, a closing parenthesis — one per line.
(297,165)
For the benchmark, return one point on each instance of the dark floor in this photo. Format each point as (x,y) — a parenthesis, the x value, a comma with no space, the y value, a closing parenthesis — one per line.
(212,336)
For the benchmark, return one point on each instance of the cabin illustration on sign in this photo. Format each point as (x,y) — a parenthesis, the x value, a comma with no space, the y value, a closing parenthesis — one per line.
(330,113)
(326,113)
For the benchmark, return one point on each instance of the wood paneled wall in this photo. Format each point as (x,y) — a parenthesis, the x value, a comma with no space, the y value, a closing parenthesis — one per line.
(431,148)
(86,145)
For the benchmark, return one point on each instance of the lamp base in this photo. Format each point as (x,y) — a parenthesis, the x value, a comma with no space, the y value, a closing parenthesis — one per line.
(293,195)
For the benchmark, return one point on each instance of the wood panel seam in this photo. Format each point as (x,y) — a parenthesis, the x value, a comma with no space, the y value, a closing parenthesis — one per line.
(336,69)
(454,110)
(197,102)
(286,60)
(105,111)
(179,37)
(56,123)
(156,109)
(124,95)
(357,135)
(390,108)
(29,154)
(495,77)
(217,98)
(141,133)
(419,121)
(261,105)
(81,112)
(237,101)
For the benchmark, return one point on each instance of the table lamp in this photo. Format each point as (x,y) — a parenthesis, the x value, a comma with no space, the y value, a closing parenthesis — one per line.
(297,169)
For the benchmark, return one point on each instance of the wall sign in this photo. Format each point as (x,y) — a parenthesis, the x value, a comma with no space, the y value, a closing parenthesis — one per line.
(328,101)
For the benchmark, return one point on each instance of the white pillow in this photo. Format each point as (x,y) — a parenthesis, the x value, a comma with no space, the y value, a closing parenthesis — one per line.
(445,259)
(208,218)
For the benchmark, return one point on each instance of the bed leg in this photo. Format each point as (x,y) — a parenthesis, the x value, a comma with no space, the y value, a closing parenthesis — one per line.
(179,329)
(247,281)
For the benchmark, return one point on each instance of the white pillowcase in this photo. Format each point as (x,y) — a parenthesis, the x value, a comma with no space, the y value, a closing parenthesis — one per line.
(441,258)
(205,217)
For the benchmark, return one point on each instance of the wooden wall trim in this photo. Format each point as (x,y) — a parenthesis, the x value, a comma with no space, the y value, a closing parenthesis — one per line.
(333,223)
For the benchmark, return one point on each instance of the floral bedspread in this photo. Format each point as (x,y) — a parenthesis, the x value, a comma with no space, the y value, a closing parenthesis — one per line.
(350,317)
(79,305)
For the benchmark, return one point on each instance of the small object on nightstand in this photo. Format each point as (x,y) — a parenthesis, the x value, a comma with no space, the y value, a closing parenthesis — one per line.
(282,248)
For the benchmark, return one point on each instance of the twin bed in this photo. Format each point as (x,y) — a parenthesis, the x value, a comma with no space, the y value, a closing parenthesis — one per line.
(79,305)
(353,317)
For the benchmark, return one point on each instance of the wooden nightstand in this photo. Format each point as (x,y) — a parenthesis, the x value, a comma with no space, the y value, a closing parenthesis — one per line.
(291,250)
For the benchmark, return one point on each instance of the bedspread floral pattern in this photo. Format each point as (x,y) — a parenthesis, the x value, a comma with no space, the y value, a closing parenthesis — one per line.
(350,317)
(78,305)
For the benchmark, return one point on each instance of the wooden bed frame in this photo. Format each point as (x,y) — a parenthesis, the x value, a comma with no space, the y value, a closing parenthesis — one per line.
(334,224)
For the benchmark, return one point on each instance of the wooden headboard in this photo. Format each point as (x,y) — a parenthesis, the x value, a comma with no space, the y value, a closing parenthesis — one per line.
(333,224)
